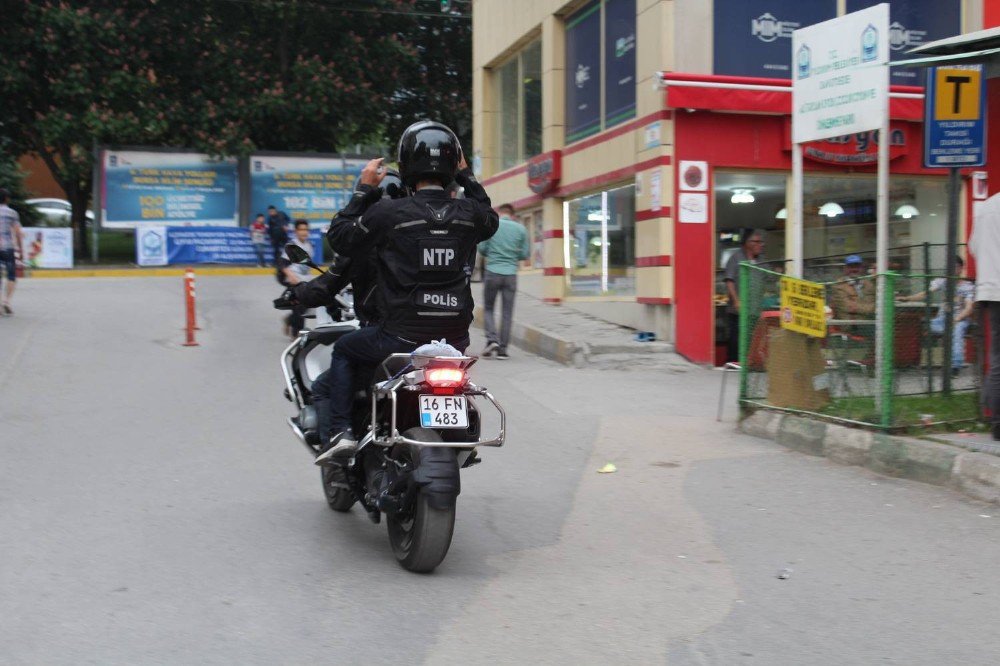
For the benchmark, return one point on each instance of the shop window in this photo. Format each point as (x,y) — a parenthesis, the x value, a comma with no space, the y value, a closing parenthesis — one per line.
(600,67)
(599,242)
(534,224)
(519,99)
(838,219)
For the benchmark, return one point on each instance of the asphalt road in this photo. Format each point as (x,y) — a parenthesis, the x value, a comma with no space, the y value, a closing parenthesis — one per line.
(154,509)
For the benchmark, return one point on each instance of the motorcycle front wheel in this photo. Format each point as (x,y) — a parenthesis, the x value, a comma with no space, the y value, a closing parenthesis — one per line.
(421,539)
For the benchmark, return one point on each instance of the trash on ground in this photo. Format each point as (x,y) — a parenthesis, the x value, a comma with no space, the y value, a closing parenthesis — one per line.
(608,469)
(784,574)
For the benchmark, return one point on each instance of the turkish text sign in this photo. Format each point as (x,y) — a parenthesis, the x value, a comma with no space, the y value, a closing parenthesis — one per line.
(840,80)
(803,307)
(955,117)
(165,188)
(163,245)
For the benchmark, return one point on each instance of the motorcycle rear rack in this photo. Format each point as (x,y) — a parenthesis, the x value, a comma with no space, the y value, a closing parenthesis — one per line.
(390,389)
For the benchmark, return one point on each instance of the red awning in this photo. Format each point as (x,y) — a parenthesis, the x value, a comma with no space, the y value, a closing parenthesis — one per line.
(745,94)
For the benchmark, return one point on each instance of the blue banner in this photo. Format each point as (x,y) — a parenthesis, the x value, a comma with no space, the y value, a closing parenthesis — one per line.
(158,188)
(305,188)
(583,72)
(160,246)
(754,37)
(911,24)
(619,61)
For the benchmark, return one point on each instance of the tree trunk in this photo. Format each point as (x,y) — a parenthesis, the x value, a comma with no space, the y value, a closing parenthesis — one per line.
(78,195)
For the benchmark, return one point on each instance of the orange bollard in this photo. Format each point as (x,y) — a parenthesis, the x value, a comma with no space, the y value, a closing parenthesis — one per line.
(191,325)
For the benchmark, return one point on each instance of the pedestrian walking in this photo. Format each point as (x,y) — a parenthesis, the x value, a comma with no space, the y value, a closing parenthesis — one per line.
(750,250)
(985,247)
(258,236)
(11,249)
(277,230)
(502,253)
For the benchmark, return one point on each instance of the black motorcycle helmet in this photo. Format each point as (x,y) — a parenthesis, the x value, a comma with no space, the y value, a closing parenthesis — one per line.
(428,151)
(391,185)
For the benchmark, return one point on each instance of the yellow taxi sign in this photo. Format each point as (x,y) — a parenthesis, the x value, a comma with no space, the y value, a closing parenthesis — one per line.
(957,92)
(803,307)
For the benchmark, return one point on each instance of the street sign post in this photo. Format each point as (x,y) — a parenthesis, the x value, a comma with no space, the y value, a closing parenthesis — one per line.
(954,137)
(840,85)
(955,117)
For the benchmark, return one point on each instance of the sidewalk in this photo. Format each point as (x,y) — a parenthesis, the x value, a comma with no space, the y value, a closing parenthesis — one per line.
(567,336)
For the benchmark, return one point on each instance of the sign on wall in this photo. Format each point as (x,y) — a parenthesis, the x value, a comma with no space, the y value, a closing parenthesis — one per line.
(161,188)
(955,117)
(48,247)
(753,37)
(839,85)
(583,72)
(803,307)
(912,24)
(619,61)
(161,246)
(307,188)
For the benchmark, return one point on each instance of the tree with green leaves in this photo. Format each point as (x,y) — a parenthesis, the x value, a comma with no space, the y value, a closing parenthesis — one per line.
(225,77)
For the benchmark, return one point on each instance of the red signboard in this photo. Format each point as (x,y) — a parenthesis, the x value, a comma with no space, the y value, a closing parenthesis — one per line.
(859,149)
(544,172)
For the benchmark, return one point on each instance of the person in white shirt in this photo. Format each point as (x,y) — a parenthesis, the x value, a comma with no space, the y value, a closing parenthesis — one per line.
(965,296)
(11,249)
(985,247)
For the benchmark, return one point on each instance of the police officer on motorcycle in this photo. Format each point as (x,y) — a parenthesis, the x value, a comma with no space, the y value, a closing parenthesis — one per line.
(425,246)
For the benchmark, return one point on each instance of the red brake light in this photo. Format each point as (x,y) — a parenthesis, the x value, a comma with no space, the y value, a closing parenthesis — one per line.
(445,377)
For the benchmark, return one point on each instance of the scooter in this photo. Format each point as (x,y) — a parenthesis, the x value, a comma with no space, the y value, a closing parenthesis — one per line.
(421,421)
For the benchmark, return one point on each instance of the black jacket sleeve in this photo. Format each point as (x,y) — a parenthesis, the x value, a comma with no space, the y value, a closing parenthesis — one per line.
(321,291)
(489,220)
(348,234)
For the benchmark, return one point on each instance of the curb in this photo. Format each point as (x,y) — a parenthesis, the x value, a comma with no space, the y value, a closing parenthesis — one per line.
(144,272)
(541,343)
(974,474)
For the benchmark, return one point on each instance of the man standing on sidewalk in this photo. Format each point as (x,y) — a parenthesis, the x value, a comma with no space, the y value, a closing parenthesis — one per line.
(985,247)
(502,252)
(11,241)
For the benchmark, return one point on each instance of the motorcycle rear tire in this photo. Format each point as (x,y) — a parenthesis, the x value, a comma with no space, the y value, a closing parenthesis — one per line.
(339,499)
(421,542)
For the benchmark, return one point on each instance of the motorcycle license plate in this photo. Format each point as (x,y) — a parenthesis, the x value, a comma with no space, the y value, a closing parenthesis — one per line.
(443,411)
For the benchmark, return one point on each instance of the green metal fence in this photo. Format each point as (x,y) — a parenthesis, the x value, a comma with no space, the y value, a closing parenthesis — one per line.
(913,380)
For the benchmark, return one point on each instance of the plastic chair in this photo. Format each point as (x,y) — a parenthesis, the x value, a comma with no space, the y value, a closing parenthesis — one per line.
(756,355)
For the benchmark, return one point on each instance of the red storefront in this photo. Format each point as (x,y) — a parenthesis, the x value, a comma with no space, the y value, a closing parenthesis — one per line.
(739,129)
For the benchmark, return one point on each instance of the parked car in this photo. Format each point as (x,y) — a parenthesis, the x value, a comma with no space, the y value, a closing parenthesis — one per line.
(56,212)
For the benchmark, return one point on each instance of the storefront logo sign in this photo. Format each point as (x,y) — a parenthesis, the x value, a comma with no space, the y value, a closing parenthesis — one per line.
(544,172)
(901,38)
(767,28)
(855,149)
(869,44)
(803,62)
(623,45)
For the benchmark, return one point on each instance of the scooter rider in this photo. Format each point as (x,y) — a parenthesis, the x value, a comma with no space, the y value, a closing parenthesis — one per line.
(425,245)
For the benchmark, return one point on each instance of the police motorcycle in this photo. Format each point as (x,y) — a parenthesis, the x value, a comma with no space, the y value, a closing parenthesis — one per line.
(421,421)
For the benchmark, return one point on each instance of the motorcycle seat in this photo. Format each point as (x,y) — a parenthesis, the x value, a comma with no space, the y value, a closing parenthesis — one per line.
(327,335)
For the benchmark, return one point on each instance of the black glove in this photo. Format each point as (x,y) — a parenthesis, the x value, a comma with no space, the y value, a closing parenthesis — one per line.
(286,301)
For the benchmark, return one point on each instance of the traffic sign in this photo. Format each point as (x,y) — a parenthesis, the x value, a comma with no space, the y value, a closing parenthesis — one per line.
(955,117)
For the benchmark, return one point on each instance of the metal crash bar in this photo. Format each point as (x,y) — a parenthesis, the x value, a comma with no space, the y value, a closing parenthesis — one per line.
(390,389)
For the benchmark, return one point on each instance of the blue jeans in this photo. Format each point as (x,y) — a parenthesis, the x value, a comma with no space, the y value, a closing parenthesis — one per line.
(366,346)
(260,249)
(957,338)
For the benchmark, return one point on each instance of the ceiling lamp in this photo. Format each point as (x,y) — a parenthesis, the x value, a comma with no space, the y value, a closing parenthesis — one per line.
(906,211)
(742,195)
(781,214)
(831,209)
